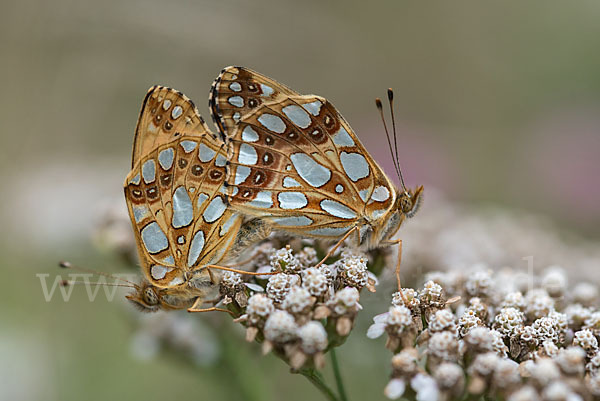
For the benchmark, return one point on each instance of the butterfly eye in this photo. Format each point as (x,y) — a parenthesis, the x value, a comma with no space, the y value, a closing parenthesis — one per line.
(150,296)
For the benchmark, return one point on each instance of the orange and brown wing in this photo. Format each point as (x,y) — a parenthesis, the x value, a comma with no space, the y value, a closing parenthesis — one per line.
(297,163)
(175,196)
(238,91)
(166,114)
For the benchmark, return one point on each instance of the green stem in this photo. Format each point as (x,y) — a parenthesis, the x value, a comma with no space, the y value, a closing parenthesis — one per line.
(338,375)
(315,378)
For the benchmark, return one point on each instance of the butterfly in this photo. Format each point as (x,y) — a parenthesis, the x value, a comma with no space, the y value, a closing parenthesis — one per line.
(295,163)
(178,209)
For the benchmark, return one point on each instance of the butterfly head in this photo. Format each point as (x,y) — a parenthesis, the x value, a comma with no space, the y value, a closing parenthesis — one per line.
(149,298)
(410,201)
(406,205)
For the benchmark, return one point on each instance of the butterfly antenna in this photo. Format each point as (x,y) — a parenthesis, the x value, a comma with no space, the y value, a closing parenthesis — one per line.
(387,134)
(66,283)
(399,170)
(68,265)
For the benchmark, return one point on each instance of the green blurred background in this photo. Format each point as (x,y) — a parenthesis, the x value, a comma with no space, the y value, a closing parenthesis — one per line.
(497,103)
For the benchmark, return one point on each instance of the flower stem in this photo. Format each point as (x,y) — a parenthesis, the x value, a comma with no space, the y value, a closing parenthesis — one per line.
(316,379)
(338,375)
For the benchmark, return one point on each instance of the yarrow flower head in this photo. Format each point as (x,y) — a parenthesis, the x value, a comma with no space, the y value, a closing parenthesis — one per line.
(284,259)
(279,285)
(352,270)
(315,281)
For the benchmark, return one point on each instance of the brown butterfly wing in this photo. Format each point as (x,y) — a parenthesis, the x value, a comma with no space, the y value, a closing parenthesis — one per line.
(297,162)
(165,113)
(238,91)
(174,196)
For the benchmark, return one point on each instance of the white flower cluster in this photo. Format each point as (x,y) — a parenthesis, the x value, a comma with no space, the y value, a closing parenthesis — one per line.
(536,344)
(289,310)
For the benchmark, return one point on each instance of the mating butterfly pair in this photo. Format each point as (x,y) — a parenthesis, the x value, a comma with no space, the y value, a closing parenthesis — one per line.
(283,161)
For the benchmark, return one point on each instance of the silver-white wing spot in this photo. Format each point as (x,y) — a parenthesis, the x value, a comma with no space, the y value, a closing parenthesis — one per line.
(183,212)
(330,231)
(272,123)
(293,221)
(214,210)
(188,146)
(201,199)
(266,90)
(135,180)
(159,272)
(221,161)
(205,154)
(292,200)
(337,209)
(380,194)
(363,193)
(235,86)
(236,101)
(263,200)
(310,171)
(149,171)
(355,165)
(289,182)
(241,173)
(196,247)
(140,212)
(247,154)
(165,158)
(225,227)
(342,138)
(249,134)
(313,108)
(154,239)
(176,112)
(297,115)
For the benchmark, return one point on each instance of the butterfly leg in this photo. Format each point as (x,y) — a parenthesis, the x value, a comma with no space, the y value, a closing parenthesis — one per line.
(337,245)
(398,262)
(195,308)
(229,269)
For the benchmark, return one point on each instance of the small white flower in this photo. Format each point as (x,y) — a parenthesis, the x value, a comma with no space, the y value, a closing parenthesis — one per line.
(571,360)
(297,300)
(279,285)
(284,259)
(353,270)
(280,327)
(555,281)
(259,307)
(376,330)
(514,300)
(443,345)
(525,393)
(479,283)
(448,374)
(544,370)
(443,320)
(345,300)
(508,321)
(315,281)
(586,340)
(484,364)
(231,279)
(313,337)
(395,389)
(425,387)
